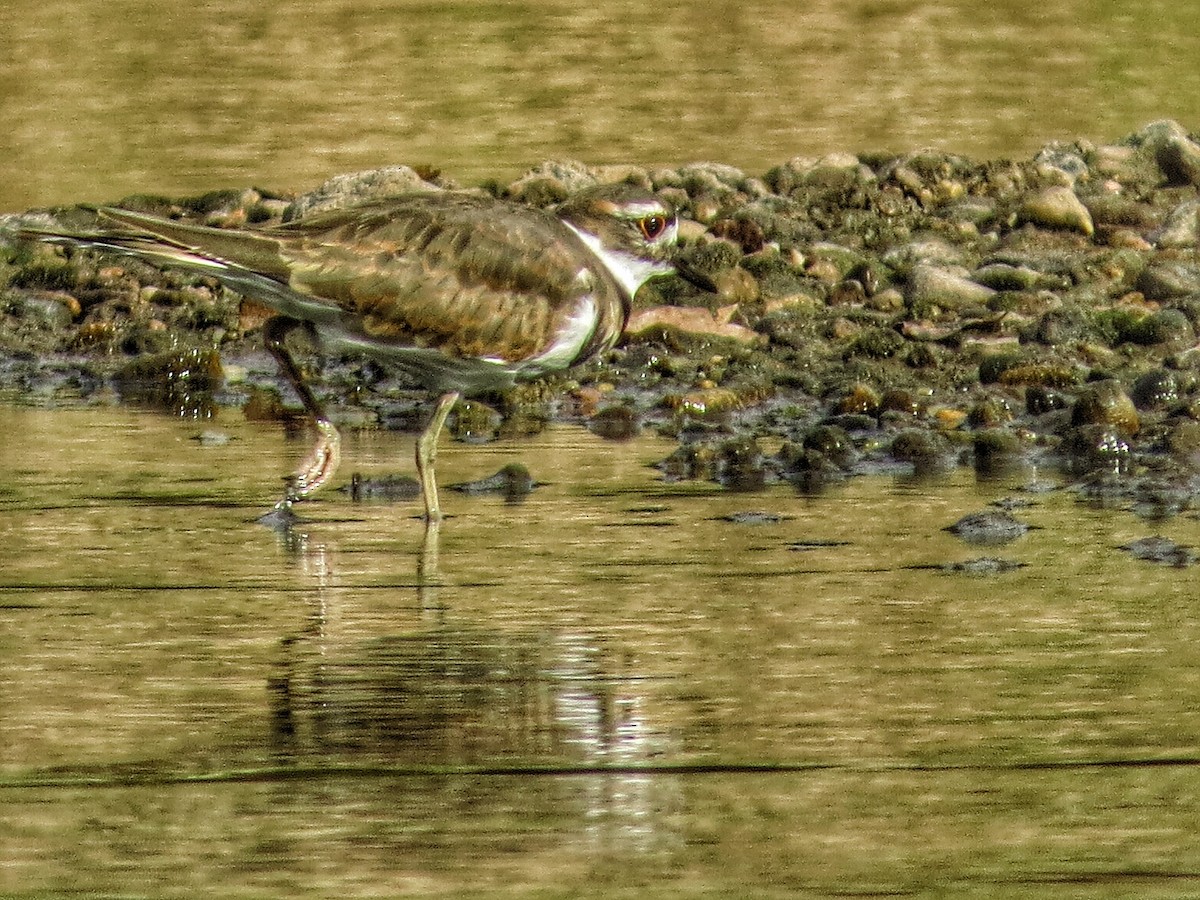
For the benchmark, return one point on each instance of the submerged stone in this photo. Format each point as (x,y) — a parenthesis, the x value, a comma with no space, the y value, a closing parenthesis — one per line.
(382,487)
(513,482)
(984,565)
(1162,550)
(991,526)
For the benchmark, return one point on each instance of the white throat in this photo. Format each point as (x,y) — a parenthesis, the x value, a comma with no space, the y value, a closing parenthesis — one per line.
(630,271)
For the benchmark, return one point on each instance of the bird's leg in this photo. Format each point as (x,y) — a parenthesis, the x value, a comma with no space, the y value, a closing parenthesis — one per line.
(318,467)
(427,454)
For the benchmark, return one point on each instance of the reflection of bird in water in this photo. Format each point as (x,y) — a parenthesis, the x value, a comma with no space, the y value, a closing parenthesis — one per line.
(463,293)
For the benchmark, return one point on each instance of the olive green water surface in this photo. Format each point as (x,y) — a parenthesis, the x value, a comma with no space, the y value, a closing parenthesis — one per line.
(607,690)
(104,98)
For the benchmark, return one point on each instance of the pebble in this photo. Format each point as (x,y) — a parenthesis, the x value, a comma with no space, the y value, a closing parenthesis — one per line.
(1106,403)
(1167,279)
(382,487)
(1057,207)
(930,285)
(512,481)
(1181,227)
(1179,158)
(1156,389)
(1162,550)
(357,187)
(752,517)
(991,526)
(984,565)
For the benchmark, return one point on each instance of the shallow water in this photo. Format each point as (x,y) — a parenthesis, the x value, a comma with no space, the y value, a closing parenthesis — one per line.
(104,98)
(607,690)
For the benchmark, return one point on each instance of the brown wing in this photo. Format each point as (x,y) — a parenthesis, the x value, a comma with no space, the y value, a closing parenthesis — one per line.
(467,277)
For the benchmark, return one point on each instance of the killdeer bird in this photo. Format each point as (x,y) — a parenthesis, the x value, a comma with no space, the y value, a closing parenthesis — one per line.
(464,294)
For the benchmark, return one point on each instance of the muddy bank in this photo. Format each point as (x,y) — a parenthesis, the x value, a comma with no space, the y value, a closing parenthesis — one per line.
(912,312)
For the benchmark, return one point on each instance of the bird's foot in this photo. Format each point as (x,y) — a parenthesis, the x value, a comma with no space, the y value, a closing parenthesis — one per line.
(318,467)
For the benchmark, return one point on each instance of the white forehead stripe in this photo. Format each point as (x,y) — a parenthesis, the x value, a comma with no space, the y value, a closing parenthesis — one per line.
(641,210)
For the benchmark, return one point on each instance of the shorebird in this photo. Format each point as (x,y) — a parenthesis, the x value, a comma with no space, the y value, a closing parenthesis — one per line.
(465,294)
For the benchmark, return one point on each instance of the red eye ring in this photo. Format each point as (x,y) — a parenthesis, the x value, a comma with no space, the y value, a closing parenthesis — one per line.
(652,226)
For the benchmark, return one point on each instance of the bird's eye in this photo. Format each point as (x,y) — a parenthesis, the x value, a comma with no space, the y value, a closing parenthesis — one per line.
(652,226)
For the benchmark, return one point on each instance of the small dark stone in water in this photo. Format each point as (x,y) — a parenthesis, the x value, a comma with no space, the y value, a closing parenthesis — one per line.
(1096,448)
(740,465)
(1161,550)
(752,517)
(928,451)
(615,423)
(1011,503)
(280,518)
(513,482)
(1105,403)
(983,565)
(386,487)
(997,452)
(990,526)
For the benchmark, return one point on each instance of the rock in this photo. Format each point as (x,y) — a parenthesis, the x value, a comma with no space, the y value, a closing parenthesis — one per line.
(926,451)
(1156,389)
(1164,326)
(281,517)
(1166,279)
(383,487)
(1159,549)
(358,187)
(983,565)
(1004,277)
(692,320)
(181,382)
(1181,228)
(474,422)
(991,526)
(1089,449)
(1183,439)
(1179,159)
(934,286)
(1065,161)
(860,399)
(553,177)
(615,423)
(753,517)
(513,482)
(1057,207)
(1105,403)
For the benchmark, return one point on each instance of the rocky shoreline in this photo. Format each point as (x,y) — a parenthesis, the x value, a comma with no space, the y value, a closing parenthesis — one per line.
(913,312)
